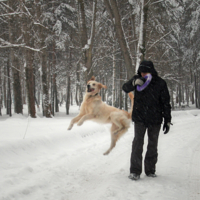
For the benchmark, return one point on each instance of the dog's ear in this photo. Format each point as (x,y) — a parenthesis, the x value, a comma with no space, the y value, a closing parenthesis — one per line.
(102,86)
(92,79)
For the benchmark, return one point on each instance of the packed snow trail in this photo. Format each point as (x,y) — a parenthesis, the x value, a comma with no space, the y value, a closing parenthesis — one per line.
(53,163)
(194,180)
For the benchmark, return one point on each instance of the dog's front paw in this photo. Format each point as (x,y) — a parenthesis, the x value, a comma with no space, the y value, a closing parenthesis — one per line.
(70,127)
(79,123)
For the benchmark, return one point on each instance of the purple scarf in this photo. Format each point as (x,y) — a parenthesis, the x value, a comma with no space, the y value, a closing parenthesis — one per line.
(148,78)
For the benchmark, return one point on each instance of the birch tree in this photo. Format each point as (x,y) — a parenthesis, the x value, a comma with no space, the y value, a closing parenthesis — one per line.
(141,48)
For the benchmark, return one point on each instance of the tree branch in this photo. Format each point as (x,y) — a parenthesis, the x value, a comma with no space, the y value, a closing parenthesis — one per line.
(159,40)
(9,14)
(6,6)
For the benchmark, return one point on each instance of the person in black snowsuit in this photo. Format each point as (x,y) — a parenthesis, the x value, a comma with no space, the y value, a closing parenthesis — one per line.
(151,105)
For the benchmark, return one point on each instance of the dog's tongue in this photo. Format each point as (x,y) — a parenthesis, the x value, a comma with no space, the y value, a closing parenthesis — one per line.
(91,89)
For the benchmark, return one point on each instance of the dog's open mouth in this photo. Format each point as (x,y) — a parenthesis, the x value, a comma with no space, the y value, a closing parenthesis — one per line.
(90,89)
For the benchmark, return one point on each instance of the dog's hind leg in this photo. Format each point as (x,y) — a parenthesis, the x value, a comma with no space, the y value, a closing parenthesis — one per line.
(116,124)
(126,124)
(112,145)
(115,136)
(113,139)
(119,127)
(121,132)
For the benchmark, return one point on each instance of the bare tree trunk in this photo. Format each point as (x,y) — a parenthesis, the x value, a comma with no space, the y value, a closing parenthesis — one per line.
(54,73)
(38,95)
(82,40)
(91,41)
(141,49)
(126,102)
(24,92)
(0,92)
(192,83)
(145,11)
(78,87)
(17,88)
(125,99)
(112,9)
(103,91)
(4,87)
(179,94)
(179,86)
(198,85)
(196,90)
(76,95)
(134,35)
(172,97)
(83,33)
(29,76)
(9,100)
(83,29)
(71,100)
(30,82)
(26,30)
(52,94)
(120,85)
(183,93)
(14,34)
(46,108)
(187,92)
(56,99)
(177,97)
(85,43)
(45,86)
(68,95)
(114,78)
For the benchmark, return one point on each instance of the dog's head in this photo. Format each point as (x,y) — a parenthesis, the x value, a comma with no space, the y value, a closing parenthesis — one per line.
(93,87)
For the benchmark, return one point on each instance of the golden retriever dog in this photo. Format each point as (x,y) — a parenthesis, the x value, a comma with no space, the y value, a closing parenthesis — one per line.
(93,108)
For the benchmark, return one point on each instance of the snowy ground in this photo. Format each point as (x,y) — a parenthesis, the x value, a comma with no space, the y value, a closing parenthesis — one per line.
(41,160)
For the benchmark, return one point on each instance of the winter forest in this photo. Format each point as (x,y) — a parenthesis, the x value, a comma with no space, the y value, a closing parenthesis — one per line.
(49,49)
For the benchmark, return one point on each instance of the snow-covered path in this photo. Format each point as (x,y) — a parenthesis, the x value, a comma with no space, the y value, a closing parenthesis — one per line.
(55,164)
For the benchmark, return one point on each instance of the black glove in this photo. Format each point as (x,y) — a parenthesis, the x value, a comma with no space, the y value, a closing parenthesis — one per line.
(139,81)
(166,127)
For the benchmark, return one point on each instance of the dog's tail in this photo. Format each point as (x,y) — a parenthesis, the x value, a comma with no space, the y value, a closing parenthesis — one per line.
(131,96)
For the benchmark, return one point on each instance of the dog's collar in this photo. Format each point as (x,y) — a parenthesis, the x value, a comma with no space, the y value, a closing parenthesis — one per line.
(94,95)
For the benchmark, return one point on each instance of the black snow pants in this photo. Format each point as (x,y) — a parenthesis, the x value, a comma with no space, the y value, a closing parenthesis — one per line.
(137,149)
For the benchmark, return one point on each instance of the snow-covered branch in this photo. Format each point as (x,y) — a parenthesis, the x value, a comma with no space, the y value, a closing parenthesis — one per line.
(10,14)
(156,2)
(39,24)
(5,44)
(27,10)
(6,6)
(20,45)
(159,40)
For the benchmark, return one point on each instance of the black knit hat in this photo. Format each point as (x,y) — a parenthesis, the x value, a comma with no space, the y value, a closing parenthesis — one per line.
(147,67)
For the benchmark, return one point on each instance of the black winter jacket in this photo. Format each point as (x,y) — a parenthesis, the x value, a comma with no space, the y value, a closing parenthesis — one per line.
(152,104)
